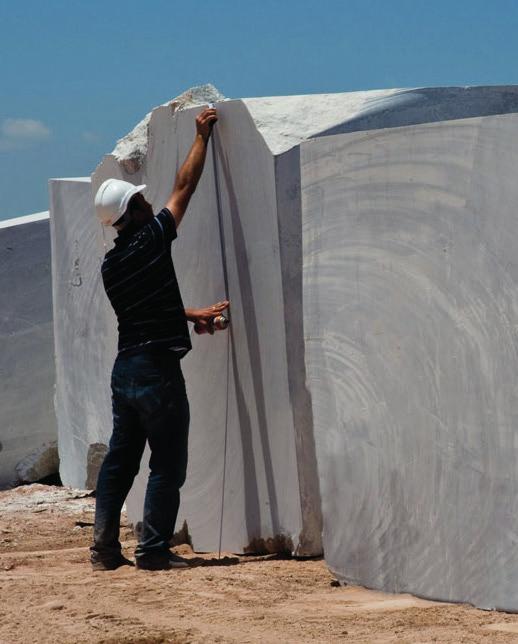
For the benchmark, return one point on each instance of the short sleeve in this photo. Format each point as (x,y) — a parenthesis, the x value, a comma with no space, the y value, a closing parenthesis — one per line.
(165,226)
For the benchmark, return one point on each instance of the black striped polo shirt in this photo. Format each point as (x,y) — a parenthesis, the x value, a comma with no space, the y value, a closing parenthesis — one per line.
(140,281)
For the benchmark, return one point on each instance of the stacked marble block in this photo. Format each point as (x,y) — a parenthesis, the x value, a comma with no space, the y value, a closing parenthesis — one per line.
(27,421)
(367,377)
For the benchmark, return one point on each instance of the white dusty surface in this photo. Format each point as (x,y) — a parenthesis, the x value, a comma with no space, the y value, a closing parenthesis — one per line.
(410,318)
(85,329)
(27,418)
(286,121)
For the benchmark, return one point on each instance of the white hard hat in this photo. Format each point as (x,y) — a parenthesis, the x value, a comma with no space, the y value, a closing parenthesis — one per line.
(112,198)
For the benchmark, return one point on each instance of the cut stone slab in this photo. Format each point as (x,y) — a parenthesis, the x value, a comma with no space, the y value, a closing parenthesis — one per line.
(410,320)
(27,420)
(260,495)
(85,331)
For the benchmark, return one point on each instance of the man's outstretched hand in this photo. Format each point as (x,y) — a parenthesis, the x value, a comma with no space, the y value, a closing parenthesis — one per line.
(204,122)
(203,317)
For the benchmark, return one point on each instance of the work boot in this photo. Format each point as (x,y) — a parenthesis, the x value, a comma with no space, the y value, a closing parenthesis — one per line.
(111,564)
(161,562)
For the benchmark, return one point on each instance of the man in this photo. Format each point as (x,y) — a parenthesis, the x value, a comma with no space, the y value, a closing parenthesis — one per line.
(148,390)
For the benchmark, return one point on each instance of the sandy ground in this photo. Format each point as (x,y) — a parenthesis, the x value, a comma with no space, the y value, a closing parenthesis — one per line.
(49,594)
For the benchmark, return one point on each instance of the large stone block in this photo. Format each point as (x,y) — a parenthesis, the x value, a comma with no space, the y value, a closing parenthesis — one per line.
(27,421)
(245,477)
(85,331)
(410,317)
(269,396)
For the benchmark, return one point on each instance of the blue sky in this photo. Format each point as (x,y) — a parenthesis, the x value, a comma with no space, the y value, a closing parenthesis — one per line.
(78,74)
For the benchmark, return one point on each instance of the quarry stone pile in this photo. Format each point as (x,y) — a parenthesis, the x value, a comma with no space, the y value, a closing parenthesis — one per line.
(367,377)
(27,419)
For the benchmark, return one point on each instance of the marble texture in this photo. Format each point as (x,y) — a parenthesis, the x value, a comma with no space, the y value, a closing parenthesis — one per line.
(367,376)
(27,421)
(410,320)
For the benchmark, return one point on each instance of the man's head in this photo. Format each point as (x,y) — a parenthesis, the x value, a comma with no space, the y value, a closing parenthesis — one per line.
(119,202)
(139,212)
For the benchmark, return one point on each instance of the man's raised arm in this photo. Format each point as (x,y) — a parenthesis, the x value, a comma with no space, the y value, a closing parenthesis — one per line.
(190,172)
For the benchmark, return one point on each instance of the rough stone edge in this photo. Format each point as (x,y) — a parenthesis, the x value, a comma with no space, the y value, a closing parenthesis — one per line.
(131,150)
(40,463)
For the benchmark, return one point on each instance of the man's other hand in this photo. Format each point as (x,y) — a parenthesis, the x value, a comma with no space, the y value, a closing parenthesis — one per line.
(204,122)
(203,317)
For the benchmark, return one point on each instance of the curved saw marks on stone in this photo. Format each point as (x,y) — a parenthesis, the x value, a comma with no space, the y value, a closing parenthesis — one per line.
(410,301)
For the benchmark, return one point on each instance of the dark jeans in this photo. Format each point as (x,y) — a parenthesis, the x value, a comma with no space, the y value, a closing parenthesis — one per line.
(149,403)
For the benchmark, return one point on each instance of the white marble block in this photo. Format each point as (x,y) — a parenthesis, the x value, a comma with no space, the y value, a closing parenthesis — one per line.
(411,330)
(27,421)
(367,240)
(85,331)
(248,480)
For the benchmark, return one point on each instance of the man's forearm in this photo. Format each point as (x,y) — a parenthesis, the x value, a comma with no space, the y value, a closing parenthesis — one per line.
(190,172)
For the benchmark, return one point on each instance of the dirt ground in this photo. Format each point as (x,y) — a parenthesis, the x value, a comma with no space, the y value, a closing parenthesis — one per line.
(48,592)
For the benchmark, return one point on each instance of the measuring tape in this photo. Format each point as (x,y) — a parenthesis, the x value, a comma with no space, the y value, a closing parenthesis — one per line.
(225,281)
